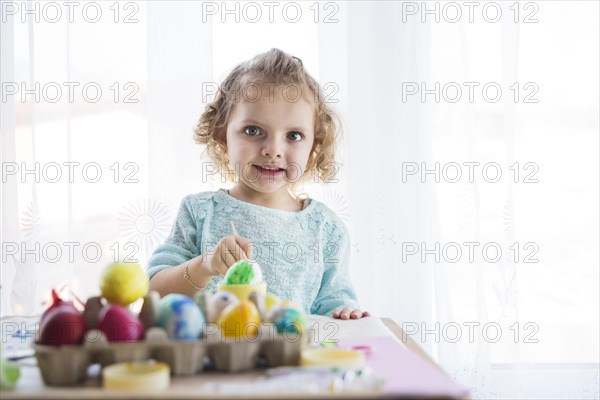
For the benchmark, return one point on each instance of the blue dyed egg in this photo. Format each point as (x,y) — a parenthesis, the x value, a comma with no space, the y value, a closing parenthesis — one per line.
(181,317)
(291,321)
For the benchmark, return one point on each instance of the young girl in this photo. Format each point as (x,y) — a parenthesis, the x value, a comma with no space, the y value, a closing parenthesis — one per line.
(269,129)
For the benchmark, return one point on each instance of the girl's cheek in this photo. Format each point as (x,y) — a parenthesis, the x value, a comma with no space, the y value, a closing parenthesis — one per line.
(294,172)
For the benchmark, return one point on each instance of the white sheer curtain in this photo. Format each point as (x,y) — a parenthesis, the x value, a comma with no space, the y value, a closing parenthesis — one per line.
(367,58)
(493,325)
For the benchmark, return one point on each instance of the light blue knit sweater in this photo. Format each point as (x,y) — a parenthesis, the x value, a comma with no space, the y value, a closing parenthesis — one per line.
(304,255)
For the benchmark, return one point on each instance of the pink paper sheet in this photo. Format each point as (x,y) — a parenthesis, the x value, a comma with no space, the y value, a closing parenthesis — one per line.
(405,372)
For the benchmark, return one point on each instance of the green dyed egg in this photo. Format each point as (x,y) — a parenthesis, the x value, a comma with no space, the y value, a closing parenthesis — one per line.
(243,272)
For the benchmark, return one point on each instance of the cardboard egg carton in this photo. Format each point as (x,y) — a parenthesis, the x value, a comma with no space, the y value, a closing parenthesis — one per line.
(67,365)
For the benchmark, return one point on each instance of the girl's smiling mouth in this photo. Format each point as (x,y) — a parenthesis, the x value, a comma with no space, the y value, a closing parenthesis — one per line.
(269,170)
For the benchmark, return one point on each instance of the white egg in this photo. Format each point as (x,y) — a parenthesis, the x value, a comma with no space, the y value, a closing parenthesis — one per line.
(217,303)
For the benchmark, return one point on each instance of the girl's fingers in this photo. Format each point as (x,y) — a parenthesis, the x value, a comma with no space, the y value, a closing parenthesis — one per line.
(245,246)
(234,249)
(217,264)
(348,313)
(341,314)
(230,250)
(227,255)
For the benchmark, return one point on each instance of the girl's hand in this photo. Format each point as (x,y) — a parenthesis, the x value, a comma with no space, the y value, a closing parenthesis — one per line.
(228,251)
(348,313)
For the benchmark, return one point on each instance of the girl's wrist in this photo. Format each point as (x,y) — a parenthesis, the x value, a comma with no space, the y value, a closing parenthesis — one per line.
(196,273)
(187,277)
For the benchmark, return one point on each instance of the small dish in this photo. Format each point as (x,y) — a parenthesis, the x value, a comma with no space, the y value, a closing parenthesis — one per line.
(147,375)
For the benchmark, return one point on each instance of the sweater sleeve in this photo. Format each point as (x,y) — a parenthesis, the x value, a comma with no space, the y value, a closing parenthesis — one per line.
(336,289)
(181,245)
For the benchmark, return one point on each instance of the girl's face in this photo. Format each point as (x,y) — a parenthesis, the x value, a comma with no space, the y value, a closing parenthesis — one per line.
(269,137)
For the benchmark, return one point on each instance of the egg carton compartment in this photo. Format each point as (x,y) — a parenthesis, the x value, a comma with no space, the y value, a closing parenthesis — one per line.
(64,365)
(67,365)
(183,357)
(106,353)
(234,356)
(283,350)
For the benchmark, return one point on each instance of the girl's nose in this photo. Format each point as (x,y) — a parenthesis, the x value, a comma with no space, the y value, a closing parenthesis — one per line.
(271,148)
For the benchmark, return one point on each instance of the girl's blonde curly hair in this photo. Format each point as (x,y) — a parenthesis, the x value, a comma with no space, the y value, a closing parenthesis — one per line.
(278,68)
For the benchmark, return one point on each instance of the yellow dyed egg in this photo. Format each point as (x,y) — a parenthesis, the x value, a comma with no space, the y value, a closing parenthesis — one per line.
(239,320)
(123,283)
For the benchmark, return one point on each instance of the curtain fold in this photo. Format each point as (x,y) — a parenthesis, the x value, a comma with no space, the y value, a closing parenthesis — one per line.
(9,208)
(383,133)
(178,73)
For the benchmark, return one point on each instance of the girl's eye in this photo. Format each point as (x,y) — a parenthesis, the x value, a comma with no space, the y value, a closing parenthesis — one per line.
(296,136)
(252,130)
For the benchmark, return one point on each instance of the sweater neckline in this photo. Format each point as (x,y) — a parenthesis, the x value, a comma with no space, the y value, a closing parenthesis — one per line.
(223,195)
